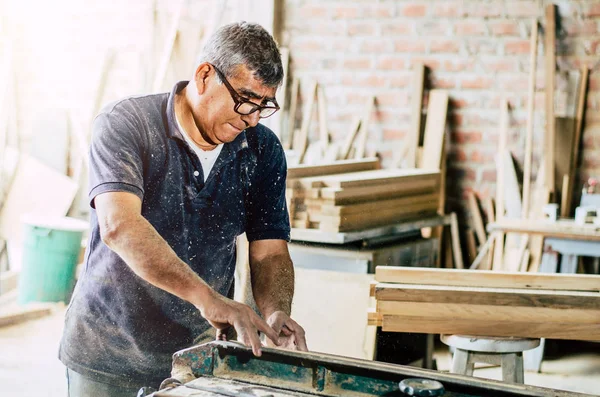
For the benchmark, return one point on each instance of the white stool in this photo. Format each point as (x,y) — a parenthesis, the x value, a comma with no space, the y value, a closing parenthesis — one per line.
(506,352)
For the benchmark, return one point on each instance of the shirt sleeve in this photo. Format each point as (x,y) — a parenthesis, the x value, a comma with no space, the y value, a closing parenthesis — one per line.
(116,161)
(268,217)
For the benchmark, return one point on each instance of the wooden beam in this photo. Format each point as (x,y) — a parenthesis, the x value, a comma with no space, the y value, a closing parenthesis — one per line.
(476,217)
(561,229)
(416,115)
(435,126)
(488,296)
(451,311)
(302,142)
(292,113)
(347,146)
(487,279)
(502,143)
(456,248)
(336,167)
(164,61)
(322,113)
(530,119)
(579,119)
(364,129)
(550,66)
(425,324)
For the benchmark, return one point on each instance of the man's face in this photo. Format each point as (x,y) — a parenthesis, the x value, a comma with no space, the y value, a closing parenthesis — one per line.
(221,123)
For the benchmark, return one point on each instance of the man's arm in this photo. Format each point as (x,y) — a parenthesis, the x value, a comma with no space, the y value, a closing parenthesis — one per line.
(272,275)
(132,237)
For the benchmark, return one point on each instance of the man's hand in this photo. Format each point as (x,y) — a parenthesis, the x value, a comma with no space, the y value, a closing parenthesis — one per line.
(223,313)
(291,334)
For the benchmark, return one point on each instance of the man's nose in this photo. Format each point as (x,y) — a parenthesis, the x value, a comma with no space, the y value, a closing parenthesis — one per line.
(252,119)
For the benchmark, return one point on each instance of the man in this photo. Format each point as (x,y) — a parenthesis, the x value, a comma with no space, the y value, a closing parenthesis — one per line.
(174,179)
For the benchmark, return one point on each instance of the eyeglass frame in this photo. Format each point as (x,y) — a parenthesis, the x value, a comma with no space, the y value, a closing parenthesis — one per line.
(240,100)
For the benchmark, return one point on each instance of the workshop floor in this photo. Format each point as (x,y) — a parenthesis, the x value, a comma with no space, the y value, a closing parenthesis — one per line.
(29,367)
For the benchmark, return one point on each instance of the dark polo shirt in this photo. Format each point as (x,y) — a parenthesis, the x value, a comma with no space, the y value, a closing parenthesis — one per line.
(119,328)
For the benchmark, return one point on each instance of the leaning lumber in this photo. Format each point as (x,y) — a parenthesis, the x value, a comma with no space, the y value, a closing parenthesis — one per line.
(336,167)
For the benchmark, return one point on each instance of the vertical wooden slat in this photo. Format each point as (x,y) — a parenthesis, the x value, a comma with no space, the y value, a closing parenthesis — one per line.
(502,141)
(415,124)
(435,126)
(550,66)
(530,120)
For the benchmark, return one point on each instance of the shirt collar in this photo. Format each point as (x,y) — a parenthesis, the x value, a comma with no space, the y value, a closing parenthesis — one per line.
(173,131)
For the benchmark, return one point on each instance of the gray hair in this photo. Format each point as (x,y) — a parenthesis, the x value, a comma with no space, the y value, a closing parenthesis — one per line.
(244,43)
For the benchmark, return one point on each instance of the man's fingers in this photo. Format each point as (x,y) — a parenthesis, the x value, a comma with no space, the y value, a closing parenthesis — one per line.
(262,326)
(250,339)
(286,331)
(299,336)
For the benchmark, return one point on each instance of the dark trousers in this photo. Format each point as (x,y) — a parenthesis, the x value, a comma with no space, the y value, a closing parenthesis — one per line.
(82,386)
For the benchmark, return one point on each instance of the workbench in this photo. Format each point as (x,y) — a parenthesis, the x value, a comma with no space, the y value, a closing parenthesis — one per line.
(220,369)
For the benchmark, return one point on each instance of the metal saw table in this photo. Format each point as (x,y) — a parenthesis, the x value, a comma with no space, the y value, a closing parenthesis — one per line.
(219,369)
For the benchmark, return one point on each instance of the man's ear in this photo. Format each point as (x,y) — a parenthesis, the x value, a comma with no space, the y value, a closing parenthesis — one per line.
(201,76)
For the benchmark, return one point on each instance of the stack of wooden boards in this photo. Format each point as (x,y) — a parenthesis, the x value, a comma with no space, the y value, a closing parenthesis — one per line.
(359,195)
(487,303)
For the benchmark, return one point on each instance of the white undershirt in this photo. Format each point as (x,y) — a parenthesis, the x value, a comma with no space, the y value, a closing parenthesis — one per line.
(207,157)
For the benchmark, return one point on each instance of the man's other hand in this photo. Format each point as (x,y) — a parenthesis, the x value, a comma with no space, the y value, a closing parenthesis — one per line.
(291,334)
(223,313)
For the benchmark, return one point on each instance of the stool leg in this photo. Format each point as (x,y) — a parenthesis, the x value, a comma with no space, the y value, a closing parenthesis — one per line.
(460,363)
(512,367)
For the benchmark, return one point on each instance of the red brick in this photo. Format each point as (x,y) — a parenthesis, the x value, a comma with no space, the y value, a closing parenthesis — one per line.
(499,64)
(574,27)
(414,10)
(445,46)
(361,29)
(357,63)
(459,65)
(395,28)
(466,136)
(414,45)
(457,155)
(448,8)
(470,28)
(441,82)
(430,62)
(482,156)
(489,176)
(370,81)
(396,116)
(346,11)
(477,83)
(392,99)
(456,119)
(517,47)
(592,10)
(309,45)
(385,10)
(481,46)
(523,8)
(391,63)
(393,133)
(310,11)
(484,9)
(400,81)
(434,28)
(505,28)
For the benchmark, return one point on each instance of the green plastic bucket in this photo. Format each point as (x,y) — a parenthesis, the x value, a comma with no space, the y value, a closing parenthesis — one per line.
(51,250)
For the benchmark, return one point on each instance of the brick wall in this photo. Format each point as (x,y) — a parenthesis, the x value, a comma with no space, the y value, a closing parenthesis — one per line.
(478,50)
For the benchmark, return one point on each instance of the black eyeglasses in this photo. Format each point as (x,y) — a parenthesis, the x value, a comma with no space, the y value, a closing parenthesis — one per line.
(243,105)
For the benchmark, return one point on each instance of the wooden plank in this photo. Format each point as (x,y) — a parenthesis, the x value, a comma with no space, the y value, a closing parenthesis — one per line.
(374,206)
(579,120)
(364,128)
(347,146)
(530,118)
(292,113)
(456,249)
(550,68)
(369,178)
(363,221)
(487,279)
(416,116)
(301,144)
(489,209)
(373,318)
(561,229)
(451,311)
(563,150)
(484,252)
(476,217)
(165,59)
(488,296)
(21,314)
(500,169)
(526,329)
(279,121)
(435,126)
(336,167)
(471,245)
(322,113)
(359,194)
(512,191)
